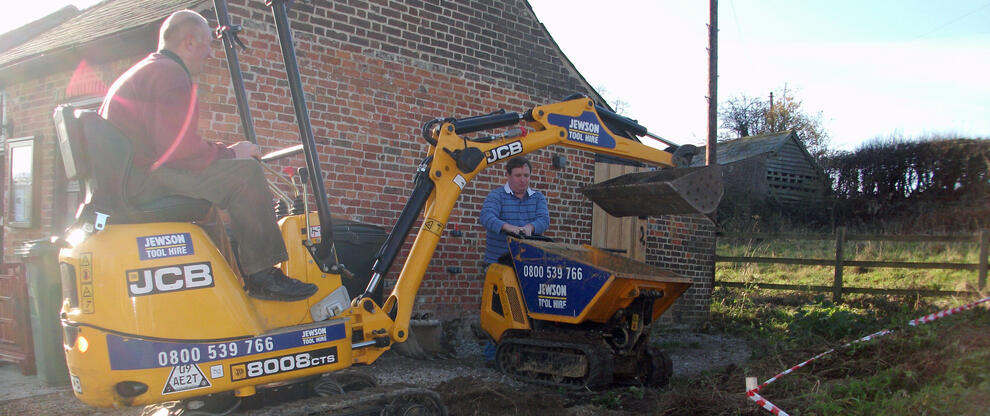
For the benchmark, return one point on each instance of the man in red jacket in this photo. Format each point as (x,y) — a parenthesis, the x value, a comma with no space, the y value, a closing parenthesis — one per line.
(154,103)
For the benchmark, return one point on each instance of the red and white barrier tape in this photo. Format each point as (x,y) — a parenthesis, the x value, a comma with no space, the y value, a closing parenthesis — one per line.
(764,403)
(938,315)
(770,407)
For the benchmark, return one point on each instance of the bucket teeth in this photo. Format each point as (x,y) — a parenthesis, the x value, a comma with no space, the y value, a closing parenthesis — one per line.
(677,191)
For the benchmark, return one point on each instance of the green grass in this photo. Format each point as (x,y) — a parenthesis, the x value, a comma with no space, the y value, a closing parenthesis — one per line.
(942,368)
(852,276)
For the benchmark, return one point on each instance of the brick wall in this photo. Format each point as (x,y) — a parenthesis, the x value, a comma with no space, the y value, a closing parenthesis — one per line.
(686,246)
(373,72)
(30,107)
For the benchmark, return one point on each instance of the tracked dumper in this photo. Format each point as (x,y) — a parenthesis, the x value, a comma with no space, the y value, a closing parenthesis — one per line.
(577,316)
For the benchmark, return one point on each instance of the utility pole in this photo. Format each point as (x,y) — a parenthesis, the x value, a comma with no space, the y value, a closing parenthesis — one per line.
(710,154)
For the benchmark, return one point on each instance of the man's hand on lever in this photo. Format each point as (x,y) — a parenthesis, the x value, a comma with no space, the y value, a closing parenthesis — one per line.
(245,149)
(526,230)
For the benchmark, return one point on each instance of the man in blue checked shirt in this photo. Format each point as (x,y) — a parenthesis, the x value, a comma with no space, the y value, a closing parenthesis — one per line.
(514,208)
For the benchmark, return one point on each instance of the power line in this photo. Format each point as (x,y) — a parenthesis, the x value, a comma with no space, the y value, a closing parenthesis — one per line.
(735,17)
(951,22)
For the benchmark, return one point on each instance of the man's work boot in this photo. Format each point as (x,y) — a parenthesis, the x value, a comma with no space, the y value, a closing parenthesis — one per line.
(272,284)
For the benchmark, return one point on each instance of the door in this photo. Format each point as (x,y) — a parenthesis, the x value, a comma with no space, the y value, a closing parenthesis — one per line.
(625,236)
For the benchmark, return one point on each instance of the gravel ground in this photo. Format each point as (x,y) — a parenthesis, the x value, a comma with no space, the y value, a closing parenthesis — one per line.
(459,375)
(694,352)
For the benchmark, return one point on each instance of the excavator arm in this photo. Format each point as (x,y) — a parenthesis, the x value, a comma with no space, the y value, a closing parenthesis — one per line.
(455,159)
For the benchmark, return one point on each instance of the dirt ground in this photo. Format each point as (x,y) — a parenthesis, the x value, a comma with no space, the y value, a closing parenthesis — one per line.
(468,387)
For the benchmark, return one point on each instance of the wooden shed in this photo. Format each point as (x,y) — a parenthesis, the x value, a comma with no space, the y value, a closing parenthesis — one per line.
(775,166)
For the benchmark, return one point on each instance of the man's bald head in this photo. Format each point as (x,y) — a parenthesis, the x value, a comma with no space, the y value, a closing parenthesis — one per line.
(179,25)
(187,34)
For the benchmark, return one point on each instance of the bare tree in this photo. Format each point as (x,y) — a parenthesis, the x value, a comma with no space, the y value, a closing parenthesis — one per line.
(618,105)
(742,116)
(745,116)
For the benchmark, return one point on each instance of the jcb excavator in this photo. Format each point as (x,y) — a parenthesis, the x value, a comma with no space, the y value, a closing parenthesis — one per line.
(154,308)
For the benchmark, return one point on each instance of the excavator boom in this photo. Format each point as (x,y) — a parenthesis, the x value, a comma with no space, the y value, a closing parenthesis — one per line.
(455,159)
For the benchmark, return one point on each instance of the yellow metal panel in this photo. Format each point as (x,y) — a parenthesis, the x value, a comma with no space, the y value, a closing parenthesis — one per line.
(500,279)
(173,305)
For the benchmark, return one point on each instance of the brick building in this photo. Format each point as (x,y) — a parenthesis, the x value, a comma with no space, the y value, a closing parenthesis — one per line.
(373,72)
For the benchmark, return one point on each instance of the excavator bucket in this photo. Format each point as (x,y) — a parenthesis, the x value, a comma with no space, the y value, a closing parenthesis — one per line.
(677,191)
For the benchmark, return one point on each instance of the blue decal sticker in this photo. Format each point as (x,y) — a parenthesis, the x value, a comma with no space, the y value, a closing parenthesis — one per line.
(165,245)
(553,284)
(584,129)
(135,354)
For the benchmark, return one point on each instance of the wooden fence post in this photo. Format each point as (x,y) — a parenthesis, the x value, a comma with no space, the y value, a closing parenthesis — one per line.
(840,240)
(984,241)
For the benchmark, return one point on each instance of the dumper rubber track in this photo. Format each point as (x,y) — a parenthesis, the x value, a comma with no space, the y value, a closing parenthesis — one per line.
(555,363)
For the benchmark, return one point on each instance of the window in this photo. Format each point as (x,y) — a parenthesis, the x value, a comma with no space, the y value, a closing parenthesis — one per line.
(23,199)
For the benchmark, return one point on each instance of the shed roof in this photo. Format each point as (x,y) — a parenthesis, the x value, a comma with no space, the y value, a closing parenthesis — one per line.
(106,18)
(747,147)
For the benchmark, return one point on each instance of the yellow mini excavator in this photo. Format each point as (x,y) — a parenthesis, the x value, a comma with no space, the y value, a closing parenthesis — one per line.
(154,309)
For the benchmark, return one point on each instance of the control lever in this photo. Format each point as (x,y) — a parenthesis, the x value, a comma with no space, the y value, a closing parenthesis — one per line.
(230,31)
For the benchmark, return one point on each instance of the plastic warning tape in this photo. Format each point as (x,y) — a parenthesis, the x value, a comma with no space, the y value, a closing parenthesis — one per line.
(939,315)
(791,370)
(770,407)
(764,403)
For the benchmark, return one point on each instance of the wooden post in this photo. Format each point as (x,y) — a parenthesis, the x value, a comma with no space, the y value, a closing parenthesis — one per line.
(711,156)
(984,241)
(840,240)
(751,383)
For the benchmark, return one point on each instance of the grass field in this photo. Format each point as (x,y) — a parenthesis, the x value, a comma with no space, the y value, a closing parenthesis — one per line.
(942,368)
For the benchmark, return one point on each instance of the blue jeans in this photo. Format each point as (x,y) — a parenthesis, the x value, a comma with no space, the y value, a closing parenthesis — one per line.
(489,351)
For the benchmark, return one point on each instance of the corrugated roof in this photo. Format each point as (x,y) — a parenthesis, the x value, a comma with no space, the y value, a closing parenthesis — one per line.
(101,20)
(746,147)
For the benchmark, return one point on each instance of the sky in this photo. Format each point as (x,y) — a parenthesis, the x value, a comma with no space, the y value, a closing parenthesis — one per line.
(871,68)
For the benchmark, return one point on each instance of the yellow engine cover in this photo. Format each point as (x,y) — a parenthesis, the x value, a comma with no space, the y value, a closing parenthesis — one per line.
(154,312)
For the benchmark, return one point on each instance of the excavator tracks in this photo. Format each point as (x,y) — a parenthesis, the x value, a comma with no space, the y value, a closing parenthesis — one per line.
(555,363)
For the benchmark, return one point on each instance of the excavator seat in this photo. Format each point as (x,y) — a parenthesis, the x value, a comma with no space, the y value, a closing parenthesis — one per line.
(82,134)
